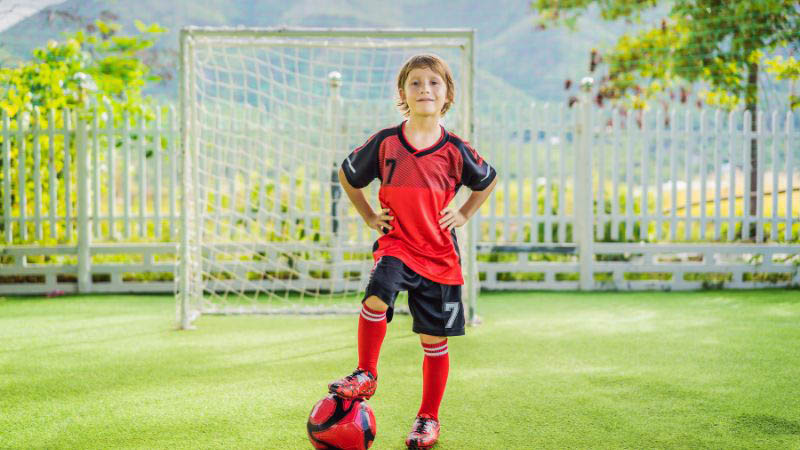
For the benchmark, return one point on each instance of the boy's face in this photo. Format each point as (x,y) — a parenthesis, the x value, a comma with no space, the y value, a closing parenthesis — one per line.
(425,92)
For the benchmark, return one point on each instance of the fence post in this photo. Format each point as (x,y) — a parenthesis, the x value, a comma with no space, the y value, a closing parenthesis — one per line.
(584,211)
(335,124)
(84,236)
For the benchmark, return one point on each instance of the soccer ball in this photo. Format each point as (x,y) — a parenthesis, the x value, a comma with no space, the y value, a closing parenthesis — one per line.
(341,423)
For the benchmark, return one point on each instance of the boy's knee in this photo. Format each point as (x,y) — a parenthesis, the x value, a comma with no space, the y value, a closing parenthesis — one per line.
(375,303)
(428,339)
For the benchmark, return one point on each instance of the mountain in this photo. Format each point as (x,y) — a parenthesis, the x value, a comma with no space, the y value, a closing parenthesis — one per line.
(513,58)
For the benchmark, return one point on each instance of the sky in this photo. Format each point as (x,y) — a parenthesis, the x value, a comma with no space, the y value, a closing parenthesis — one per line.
(12,11)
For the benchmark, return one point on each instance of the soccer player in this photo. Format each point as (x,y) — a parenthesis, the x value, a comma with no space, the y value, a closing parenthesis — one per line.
(420,166)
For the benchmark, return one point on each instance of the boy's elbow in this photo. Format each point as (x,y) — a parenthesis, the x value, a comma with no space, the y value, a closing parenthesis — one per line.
(489,187)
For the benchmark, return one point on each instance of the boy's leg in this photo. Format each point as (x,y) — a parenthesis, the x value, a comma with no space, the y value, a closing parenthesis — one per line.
(385,281)
(371,331)
(438,313)
(435,369)
(376,311)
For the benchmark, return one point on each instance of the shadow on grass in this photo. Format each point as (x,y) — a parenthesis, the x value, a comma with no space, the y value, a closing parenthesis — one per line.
(767,424)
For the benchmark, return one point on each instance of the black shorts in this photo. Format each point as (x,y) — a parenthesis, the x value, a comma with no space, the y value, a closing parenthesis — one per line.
(435,308)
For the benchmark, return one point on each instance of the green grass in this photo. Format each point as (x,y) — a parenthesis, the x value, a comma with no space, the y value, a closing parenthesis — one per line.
(710,369)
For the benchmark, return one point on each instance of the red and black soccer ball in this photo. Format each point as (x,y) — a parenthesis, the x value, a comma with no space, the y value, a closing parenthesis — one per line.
(338,423)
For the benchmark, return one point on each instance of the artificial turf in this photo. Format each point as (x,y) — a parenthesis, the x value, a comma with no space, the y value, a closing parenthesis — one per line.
(713,369)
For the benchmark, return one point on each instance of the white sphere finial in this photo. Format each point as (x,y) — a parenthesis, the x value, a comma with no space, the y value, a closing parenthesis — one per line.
(586,83)
(335,78)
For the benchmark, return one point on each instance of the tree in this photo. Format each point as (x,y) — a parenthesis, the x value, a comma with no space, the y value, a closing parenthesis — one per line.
(98,65)
(719,43)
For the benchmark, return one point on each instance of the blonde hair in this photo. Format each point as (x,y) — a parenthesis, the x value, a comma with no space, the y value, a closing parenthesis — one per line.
(434,63)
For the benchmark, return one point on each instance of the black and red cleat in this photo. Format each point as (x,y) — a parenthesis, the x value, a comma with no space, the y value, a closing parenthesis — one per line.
(424,433)
(359,384)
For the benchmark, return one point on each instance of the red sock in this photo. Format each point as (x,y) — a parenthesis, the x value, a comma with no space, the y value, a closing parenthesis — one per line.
(371,330)
(435,368)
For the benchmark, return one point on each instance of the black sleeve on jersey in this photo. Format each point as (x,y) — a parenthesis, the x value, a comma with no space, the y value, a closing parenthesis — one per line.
(476,173)
(361,166)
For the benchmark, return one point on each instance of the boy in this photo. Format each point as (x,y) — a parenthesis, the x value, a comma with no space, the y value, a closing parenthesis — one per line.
(421,166)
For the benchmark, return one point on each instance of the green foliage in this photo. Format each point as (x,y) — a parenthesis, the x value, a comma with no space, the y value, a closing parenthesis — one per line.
(721,44)
(789,69)
(100,67)
(785,70)
(555,11)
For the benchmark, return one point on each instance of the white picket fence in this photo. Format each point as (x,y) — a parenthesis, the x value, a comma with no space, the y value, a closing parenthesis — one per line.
(687,171)
(124,167)
(110,219)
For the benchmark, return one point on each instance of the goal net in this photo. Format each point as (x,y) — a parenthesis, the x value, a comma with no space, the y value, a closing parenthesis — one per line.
(268,115)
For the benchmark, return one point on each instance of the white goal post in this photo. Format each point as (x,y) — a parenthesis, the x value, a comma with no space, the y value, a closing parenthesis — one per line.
(267,115)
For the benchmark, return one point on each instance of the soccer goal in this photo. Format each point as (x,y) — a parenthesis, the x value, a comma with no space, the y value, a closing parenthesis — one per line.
(268,115)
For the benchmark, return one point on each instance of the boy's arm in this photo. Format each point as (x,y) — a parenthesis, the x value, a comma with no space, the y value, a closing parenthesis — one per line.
(452,218)
(356,196)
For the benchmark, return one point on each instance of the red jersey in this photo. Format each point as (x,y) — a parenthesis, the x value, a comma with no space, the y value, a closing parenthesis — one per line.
(415,186)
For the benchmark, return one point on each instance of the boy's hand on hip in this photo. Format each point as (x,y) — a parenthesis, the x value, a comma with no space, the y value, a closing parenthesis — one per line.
(451,218)
(380,221)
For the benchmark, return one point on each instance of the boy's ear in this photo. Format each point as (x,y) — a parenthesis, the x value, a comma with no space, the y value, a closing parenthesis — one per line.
(402,94)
